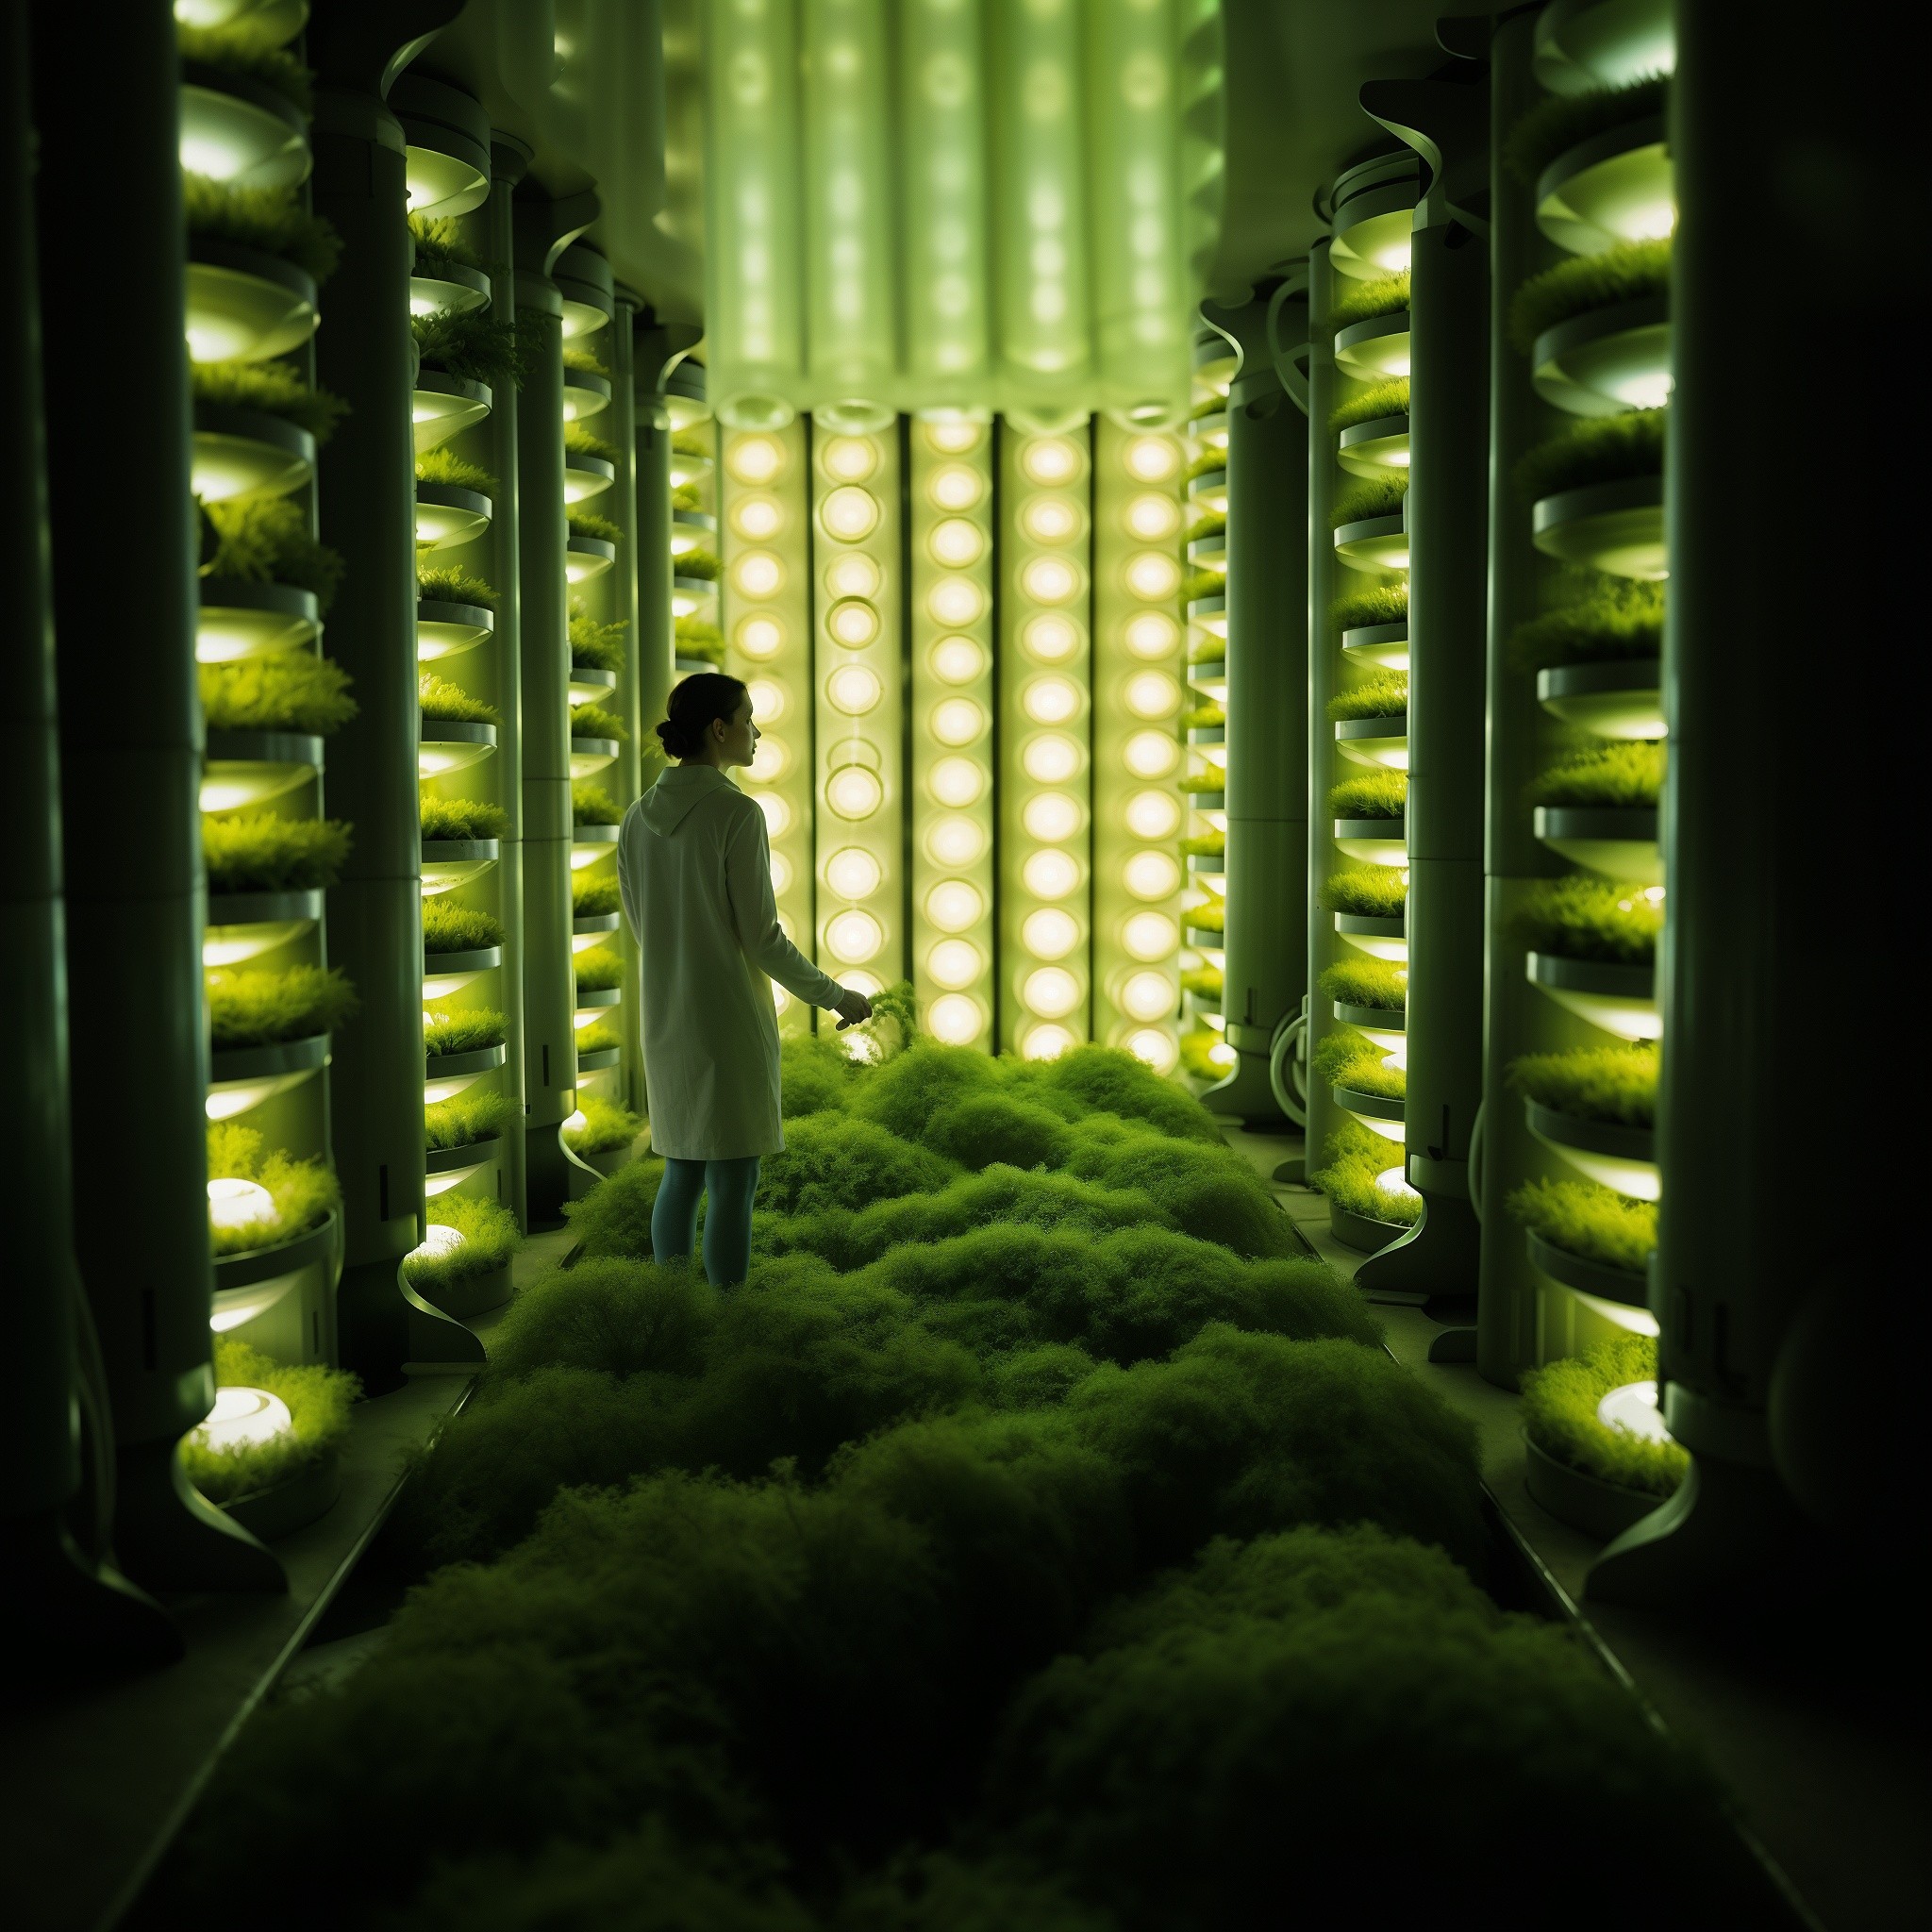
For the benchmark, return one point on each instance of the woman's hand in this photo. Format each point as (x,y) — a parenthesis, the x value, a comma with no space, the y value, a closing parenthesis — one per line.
(852,1009)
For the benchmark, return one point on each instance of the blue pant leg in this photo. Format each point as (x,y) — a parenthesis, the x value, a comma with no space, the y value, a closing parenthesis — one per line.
(674,1217)
(729,1188)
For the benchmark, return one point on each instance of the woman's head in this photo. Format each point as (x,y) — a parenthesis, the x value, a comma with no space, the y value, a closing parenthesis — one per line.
(708,718)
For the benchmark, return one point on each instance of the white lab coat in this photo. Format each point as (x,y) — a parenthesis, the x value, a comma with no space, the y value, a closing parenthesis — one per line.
(695,865)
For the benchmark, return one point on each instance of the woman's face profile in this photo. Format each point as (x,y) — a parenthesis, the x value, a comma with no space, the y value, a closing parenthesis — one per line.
(737,738)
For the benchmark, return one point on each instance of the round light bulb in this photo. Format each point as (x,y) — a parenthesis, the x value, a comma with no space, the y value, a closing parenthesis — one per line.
(767,699)
(955,602)
(1046,1042)
(777,813)
(958,721)
(1050,757)
(852,873)
(854,576)
(1391,1180)
(238,1203)
(1152,875)
(1633,1409)
(957,544)
(769,761)
(1050,816)
(243,1419)
(953,905)
(1154,576)
(1150,935)
(853,937)
(954,963)
(1152,459)
(1051,874)
(1053,993)
(1157,1048)
(956,487)
(1049,460)
(781,875)
(850,514)
(1050,580)
(1151,754)
(850,458)
(1051,700)
(1153,519)
(758,518)
(1051,637)
(1147,996)
(954,1019)
(956,841)
(440,1239)
(758,573)
(853,624)
(1050,934)
(1153,695)
(958,660)
(953,436)
(854,792)
(1152,634)
(761,636)
(957,782)
(1049,520)
(1153,815)
(754,459)
(854,690)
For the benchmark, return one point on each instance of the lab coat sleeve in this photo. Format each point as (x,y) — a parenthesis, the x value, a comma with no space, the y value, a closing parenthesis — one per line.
(754,914)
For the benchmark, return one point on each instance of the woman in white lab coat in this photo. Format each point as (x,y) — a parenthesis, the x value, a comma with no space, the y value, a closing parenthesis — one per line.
(695,866)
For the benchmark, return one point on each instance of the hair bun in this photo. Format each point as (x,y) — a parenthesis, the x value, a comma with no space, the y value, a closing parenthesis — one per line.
(676,740)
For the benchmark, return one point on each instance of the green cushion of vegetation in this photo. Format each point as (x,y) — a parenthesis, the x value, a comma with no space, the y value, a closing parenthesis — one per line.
(1581,283)
(691,442)
(473,346)
(1588,1219)
(1203,717)
(1594,449)
(1581,917)
(1374,496)
(451,928)
(1207,649)
(1369,405)
(1357,1157)
(1206,464)
(1360,301)
(1209,916)
(587,443)
(597,970)
(595,721)
(1204,982)
(584,523)
(468,1117)
(1559,1404)
(272,219)
(595,646)
(440,465)
(490,1238)
(463,818)
(291,692)
(592,897)
(599,1038)
(1367,891)
(274,388)
(698,638)
(1345,1059)
(266,541)
(1561,122)
(581,356)
(438,238)
(445,703)
(698,563)
(687,496)
(1614,618)
(446,584)
(1208,844)
(319,1402)
(266,1007)
(1383,604)
(1378,794)
(1612,1084)
(232,48)
(302,1192)
(469,1031)
(1626,774)
(256,852)
(1357,980)
(1203,583)
(591,804)
(1210,523)
(1383,695)
(606,1125)
(1203,781)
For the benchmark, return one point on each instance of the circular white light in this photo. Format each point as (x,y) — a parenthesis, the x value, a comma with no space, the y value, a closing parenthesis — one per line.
(769,762)
(781,875)
(761,636)
(1152,459)
(1157,1048)
(1152,634)
(1150,935)
(1050,460)
(955,602)
(957,782)
(1633,1409)
(953,436)
(1154,576)
(1051,758)
(1153,519)
(237,1203)
(958,721)
(954,963)
(956,487)
(243,1418)
(957,544)
(1050,580)
(1053,993)
(1051,700)
(437,1239)
(1147,996)
(758,573)
(954,1020)
(958,660)
(1052,638)
(1153,695)
(851,937)
(854,690)
(956,841)
(1391,1180)
(757,517)
(953,905)
(867,983)
(777,813)
(1051,874)
(1152,875)
(853,624)
(854,792)
(1051,816)
(850,514)
(1049,520)
(1153,815)
(1050,934)
(852,873)
(1151,754)
(767,699)
(754,459)
(850,458)
(1046,1042)
(854,576)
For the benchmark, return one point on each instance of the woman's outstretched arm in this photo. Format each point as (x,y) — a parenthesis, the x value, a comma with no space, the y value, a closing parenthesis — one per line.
(754,914)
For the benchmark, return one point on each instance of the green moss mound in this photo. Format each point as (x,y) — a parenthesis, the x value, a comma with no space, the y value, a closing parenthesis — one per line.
(1348,1058)
(468,1117)
(1618,776)
(1378,794)
(1370,405)
(1376,496)
(1367,891)
(591,804)
(834,1160)
(1613,618)
(1583,283)
(1597,449)
(444,702)
(1383,604)
(267,541)
(441,465)
(1616,1085)
(593,645)
(1357,980)
(301,1192)
(1357,1157)
(473,346)
(463,818)
(256,852)
(468,1031)
(446,584)
(293,691)
(1383,695)
(266,1007)
(1383,295)
(452,928)
(274,388)
(1559,1405)
(606,1125)
(1586,1219)
(592,897)
(319,1401)
(1582,918)
(490,1238)
(271,219)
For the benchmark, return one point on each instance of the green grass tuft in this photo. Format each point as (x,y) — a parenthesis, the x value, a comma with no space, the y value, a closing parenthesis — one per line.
(1203,583)
(1383,695)
(444,584)
(491,1237)
(1629,773)
(273,388)
(591,804)
(1373,496)
(1596,449)
(1210,523)
(1581,283)
(1616,617)
(697,637)
(1559,1404)
(1616,1085)
(1209,916)
(597,968)
(445,703)
(1378,794)
(584,523)
(1204,982)
(687,496)
(302,1192)
(1205,845)
(270,219)
(581,356)
(319,1401)
(1358,980)
(1346,1058)
(231,48)
(1357,1159)
(267,541)
(450,928)
(469,1031)
(1594,1221)
(438,238)
(261,1006)
(592,897)
(260,853)
(595,721)
(1384,604)
(440,465)
(1561,122)
(581,441)
(1203,716)
(1369,405)
(701,564)
(1384,295)
(1582,918)
(595,645)
(463,818)
(293,691)
(474,346)
(1206,464)
(475,1114)
(1213,779)
(599,1037)
(607,1127)
(1368,891)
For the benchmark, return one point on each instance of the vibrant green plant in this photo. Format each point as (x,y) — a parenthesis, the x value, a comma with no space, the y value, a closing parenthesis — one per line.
(1210,523)
(595,646)
(1203,583)
(1619,617)
(1209,916)
(462,818)
(1559,122)
(1211,404)
(490,1238)
(451,928)
(591,804)
(1369,405)
(1385,694)
(687,496)
(1353,1179)
(1357,980)
(598,969)
(1346,1058)
(257,852)
(271,219)
(599,1037)
(468,1031)
(607,1127)
(1204,716)
(1384,295)
(580,441)
(266,541)
(584,523)
(1559,1405)
(301,1192)
(1205,845)
(230,48)
(700,563)
(445,703)
(440,465)
(473,346)
(1204,982)
(291,692)
(1212,780)
(1373,496)
(1207,463)
(1612,1084)
(595,721)
(1625,774)
(466,1118)
(1378,795)
(582,357)
(1583,918)
(1581,283)
(272,387)
(438,238)
(1366,892)
(1594,449)
(1207,649)
(1383,604)
(592,898)
(263,1007)
(442,583)
(1586,1219)
(698,638)
(319,1402)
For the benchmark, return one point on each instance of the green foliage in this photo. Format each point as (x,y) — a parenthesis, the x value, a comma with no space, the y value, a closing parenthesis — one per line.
(581,356)
(232,49)
(1383,695)
(490,1238)
(595,646)
(319,1401)
(440,465)
(591,804)
(463,818)
(595,721)
(1619,617)
(1210,523)
(1203,781)
(1210,844)
(1347,1058)
(302,1192)
(444,584)
(1559,122)
(468,1031)
(473,346)
(606,1125)
(1580,283)
(687,496)
(1586,1219)
(584,523)
(1214,405)
(1614,1084)
(1207,649)
(698,563)
(1358,980)
(1373,496)
(291,692)
(1378,795)
(1209,916)
(256,852)
(263,1007)
(1203,583)
(1206,464)
(1625,774)
(1368,891)
(698,638)
(473,1115)
(451,928)
(600,1037)
(266,541)
(271,219)
(1369,405)
(274,388)
(1203,717)
(1594,449)
(1204,982)
(835,1160)
(580,441)
(1383,604)
(1384,295)
(438,238)
(1559,1402)
(597,970)
(592,897)
(691,442)
(445,703)
(1583,918)
(1357,1157)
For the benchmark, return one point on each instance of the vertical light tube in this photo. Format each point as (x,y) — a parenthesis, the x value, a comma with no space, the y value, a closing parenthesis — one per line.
(951,663)
(634,769)
(1044,779)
